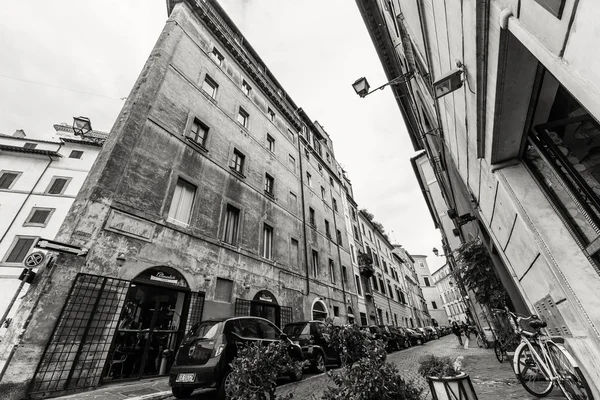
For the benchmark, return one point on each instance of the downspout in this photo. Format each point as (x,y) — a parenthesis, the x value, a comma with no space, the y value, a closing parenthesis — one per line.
(482,11)
(306,267)
(339,253)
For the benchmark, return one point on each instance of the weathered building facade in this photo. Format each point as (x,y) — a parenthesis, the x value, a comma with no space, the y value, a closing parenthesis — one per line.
(214,196)
(430,292)
(512,141)
(453,302)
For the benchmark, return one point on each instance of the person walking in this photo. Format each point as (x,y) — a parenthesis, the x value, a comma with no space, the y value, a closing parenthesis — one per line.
(465,329)
(457,331)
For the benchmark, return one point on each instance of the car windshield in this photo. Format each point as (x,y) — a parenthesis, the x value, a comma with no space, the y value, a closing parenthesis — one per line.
(205,330)
(295,330)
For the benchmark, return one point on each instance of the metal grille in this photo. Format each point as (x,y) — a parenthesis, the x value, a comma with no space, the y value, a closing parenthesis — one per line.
(547,311)
(75,355)
(285,316)
(196,310)
(242,307)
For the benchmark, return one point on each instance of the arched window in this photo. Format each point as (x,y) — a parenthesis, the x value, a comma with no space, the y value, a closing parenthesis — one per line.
(319,311)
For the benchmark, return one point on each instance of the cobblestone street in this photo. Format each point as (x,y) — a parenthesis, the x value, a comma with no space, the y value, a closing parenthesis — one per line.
(491,379)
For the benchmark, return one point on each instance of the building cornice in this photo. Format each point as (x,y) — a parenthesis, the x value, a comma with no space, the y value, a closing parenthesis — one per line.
(17,149)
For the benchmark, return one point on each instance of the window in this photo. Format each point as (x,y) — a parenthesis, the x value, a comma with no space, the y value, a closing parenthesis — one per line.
(327,232)
(381,285)
(322,192)
(375,286)
(291,135)
(356,233)
(209,86)
(320,169)
(385,268)
(270,143)
(57,185)
(309,179)
(353,211)
(352,253)
(335,208)
(20,248)
(246,88)
(307,154)
(358,288)
(311,214)
(295,254)
(336,311)
(376,259)
(232,219)
(271,114)
(267,242)
(426,281)
(370,236)
(391,294)
(237,162)
(363,319)
(39,217)
(331,271)
(327,156)
(243,117)
(345,274)
(76,154)
(434,305)
(339,237)
(292,162)
(198,132)
(293,203)
(7,179)
(363,228)
(30,145)
(315,262)
(217,56)
(421,264)
(269,182)
(331,182)
(223,290)
(182,202)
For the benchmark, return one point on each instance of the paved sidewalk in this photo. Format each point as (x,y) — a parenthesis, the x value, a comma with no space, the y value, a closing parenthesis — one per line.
(148,389)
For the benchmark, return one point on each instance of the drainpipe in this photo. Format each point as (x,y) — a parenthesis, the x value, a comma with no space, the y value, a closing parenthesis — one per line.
(306,255)
(338,251)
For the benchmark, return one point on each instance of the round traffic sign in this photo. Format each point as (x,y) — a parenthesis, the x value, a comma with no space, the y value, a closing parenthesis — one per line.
(34,259)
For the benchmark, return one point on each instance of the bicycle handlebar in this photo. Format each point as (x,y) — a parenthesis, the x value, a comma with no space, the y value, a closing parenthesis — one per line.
(517,320)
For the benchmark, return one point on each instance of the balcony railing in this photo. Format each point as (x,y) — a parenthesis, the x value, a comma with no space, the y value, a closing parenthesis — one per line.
(564,158)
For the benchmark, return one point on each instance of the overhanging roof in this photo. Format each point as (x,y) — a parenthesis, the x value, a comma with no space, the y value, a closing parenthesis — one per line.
(17,149)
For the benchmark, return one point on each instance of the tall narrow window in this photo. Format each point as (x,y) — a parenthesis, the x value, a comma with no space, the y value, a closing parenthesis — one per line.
(76,154)
(352,253)
(246,88)
(327,156)
(356,233)
(198,132)
(374,280)
(267,242)
(334,202)
(426,280)
(322,192)
(309,179)
(271,114)
(269,182)
(57,185)
(358,288)
(320,169)
(20,248)
(232,219)
(209,86)
(311,216)
(293,203)
(183,200)
(434,305)
(315,263)
(217,56)
(339,237)
(292,162)
(223,290)
(345,274)
(270,143)
(331,271)
(295,254)
(7,179)
(243,117)
(237,161)
(327,229)
(331,182)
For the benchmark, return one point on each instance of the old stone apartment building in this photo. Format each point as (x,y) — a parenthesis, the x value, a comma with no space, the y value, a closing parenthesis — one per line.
(503,95)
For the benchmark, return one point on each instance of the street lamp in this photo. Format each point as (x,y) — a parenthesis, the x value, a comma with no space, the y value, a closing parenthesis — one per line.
(361,86)
(81,125)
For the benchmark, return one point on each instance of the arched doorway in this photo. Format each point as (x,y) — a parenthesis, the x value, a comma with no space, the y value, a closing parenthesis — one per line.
(151,325)
(264,305)
(319,311)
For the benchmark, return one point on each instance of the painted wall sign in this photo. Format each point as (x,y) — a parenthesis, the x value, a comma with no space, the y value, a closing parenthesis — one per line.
(129,225)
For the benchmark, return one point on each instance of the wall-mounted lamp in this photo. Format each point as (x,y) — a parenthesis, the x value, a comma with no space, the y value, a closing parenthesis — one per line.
(361,85)
(81,125)
(449,82)
(121,259)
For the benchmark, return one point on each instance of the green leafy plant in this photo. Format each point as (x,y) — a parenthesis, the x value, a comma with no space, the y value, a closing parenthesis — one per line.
(364,375)
(255,370)
(431,365)
(476,272)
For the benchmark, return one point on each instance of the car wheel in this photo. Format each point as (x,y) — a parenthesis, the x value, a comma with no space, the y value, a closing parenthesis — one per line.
(406,344)
(182,392)
(319,363)
(222,389)
(419,342)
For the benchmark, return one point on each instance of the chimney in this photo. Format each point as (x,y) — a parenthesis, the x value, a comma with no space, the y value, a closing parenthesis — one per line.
(20,133)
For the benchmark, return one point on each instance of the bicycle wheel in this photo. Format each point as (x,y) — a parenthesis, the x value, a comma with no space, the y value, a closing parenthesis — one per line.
(499,351)
(570,379)
(530,373)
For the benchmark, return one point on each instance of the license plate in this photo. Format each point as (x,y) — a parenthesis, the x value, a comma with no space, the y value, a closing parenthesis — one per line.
(186,378)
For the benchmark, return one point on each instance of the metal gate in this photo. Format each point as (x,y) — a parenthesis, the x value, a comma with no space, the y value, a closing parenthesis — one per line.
(243,308)
(75,355)
(196,310)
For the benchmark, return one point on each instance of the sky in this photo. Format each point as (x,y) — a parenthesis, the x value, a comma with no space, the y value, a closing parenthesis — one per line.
(65,58)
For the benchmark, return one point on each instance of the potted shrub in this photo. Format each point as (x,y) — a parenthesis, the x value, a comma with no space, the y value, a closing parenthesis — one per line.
(445,379)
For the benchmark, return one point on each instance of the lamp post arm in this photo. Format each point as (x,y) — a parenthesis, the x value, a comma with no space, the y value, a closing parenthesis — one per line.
(400,79)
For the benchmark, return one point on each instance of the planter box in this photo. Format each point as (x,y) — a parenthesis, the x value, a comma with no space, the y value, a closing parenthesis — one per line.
(452,388)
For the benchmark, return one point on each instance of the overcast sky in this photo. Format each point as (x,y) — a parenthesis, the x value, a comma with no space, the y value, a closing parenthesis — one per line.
(63,58)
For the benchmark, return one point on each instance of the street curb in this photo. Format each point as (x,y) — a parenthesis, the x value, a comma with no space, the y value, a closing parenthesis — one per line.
(153,396)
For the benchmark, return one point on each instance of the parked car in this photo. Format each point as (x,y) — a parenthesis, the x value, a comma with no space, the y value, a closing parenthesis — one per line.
(415,337)
(395,339)
(311,336)
(432,332)
(379,333)
(402,339)
(204,355)
(423,332)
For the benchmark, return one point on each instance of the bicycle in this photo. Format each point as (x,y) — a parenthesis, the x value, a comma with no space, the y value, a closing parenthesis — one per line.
(540,364)
(481,341)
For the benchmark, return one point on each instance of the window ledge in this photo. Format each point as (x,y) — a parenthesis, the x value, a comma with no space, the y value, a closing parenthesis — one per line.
(35,225)
(237,173)
(178,223)
(196,145)
(270,195)
(244,128)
